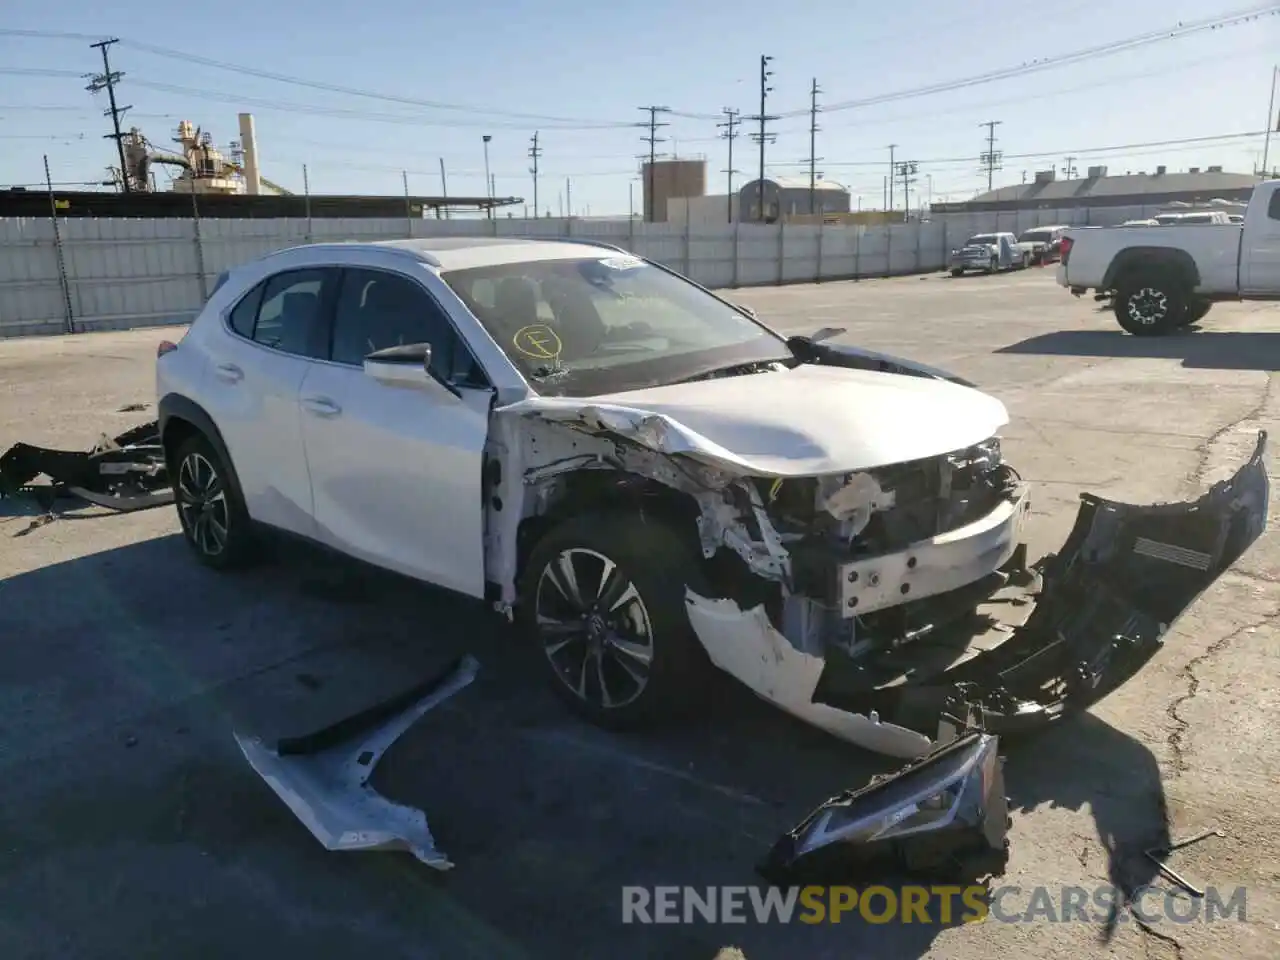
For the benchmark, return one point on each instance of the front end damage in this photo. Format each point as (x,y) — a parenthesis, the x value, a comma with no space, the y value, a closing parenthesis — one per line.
(865,603)
(1037,643)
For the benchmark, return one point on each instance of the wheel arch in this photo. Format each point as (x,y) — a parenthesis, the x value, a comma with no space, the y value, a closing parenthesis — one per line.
(605,491)
(181,418)
(1135,259)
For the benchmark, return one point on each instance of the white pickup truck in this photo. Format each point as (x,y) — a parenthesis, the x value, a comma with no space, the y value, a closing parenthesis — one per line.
(1161,278)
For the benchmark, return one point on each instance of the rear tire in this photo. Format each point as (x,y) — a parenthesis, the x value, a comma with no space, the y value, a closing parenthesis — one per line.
(1195,312)
(616,642)
(215,523)
(957,273)
(1149,304)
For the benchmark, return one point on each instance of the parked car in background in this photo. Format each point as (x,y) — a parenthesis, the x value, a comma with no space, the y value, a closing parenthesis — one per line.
(989,253)
(1044,243)
(1168,276)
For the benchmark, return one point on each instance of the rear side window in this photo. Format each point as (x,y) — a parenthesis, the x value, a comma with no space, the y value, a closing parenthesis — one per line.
(289,317)
(244,313)
(1273,208)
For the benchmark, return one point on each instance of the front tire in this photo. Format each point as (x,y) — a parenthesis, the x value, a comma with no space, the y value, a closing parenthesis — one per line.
(215,523)
(1149,305)
(603,597)
(957,273)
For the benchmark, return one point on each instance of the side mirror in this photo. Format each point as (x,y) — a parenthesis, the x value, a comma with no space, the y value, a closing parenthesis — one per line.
(408,365)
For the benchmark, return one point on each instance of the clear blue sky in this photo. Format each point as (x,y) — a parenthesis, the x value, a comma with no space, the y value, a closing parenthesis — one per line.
(597,63)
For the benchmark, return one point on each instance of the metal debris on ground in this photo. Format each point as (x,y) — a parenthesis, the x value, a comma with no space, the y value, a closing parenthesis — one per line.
(323,776)
(123,473)
(1157,856)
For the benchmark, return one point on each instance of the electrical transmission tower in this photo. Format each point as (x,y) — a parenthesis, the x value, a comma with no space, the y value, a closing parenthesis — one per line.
(762,136)
(907,170)
(992,157)
(653,140)
(730,125)
(107,80)
(814,90)
(535,152)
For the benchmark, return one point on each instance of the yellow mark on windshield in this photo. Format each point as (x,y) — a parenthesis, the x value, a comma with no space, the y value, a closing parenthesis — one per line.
(538,341)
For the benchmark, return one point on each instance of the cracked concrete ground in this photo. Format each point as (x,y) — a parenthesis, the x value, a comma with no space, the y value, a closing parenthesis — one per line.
(130,826)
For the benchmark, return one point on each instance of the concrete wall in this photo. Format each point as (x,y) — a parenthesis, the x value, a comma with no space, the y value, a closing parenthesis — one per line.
(95,274)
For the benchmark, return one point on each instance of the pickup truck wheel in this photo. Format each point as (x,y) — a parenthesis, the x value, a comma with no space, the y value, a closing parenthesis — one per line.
(957,272)
(993,266)
(1149,306)
(603,596)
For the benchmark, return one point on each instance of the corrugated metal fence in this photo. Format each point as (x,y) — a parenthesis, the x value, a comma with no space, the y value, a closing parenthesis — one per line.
(82,274)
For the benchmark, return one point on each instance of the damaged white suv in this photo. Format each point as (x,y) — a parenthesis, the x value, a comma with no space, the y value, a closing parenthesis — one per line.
(651,480)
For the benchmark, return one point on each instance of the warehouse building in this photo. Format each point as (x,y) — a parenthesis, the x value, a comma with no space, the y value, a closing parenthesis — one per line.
(1099,188)
(790,196)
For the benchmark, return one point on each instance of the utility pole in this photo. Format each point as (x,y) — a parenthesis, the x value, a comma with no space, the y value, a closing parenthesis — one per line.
(487,181)
(1272,122)
(535,152)
(893,172)
(907,170)
(762,136)
(991,159)
(568,196)
(653,140)
(107,80)
(730,134)
(1070,168)
(814,90)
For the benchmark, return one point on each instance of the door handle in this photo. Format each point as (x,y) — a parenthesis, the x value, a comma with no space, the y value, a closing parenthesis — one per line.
(321,406)
(229,372)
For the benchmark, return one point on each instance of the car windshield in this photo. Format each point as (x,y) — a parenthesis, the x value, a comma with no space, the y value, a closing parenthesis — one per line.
(582,327)
(982,238)
(1036,236)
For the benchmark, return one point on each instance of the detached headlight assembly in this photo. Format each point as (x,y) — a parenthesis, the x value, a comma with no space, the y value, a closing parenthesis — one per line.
(944,813)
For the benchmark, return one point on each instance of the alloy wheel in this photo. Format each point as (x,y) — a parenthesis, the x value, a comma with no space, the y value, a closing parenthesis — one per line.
(202,505)
(1148,306)
(594,628)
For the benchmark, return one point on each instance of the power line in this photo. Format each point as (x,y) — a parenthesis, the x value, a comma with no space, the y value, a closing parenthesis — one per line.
(814,90)
(992,157)
(534,153)
(107,80)
(653,140)
(730,125)
(763,136)
(1046,63)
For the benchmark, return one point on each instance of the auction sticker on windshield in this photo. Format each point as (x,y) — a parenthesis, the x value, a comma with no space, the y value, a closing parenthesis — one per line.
(622,263)
(537,341)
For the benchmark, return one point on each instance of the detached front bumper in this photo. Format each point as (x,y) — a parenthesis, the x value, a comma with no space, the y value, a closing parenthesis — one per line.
(1103,604)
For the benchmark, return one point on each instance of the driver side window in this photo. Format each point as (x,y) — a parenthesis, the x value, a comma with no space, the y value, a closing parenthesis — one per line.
(378,309)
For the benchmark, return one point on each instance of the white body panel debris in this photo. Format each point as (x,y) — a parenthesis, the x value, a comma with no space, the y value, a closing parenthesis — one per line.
(328,789)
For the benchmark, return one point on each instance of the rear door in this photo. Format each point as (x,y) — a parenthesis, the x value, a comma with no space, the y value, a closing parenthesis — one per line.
(395,470)
(1260,249)
(272,336)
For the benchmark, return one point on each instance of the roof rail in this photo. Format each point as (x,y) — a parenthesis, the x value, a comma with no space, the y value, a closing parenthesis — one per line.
(592,243)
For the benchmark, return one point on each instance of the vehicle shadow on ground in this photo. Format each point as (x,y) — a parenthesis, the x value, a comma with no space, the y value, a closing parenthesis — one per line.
(133,666)
(1196,348)
(1088,762)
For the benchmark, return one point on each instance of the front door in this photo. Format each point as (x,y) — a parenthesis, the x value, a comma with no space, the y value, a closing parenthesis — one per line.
(395,470)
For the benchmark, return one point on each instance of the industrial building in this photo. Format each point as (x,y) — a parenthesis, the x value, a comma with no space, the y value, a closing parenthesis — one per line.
(664,179)
(215,183)
(785,197)
(1100,188)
